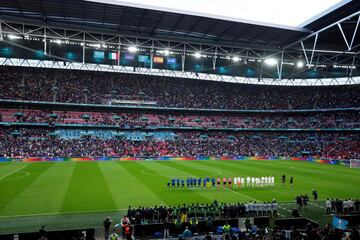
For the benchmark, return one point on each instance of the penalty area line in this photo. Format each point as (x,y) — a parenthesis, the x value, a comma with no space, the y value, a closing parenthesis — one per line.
(1,178)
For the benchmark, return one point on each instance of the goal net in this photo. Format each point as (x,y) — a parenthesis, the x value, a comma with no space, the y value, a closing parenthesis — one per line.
(355,163)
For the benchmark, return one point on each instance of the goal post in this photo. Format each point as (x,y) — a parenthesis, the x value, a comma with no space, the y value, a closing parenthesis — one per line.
(354,163)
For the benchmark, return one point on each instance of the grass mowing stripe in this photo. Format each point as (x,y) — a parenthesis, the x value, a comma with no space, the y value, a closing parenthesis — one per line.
(208,193)
(4,164)
(5,176)
(87,190)
(321,167)
(144,183)
(238,168)
(7,168)
(211,169)
(187,170)
(326,178)
(49,190)
(155,178)
(125,187)
(54,222)
(246,196)
(11,188)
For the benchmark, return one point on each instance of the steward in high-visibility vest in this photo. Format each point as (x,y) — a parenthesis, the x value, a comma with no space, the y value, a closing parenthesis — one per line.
(193,223)
(178,224)
(226,228)
(114,236)
(194,220)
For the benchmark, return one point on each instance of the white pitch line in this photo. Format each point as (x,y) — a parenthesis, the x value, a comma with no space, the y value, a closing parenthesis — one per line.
(317,205)
(241,194)
(64,213)
(284,209)
(1,178)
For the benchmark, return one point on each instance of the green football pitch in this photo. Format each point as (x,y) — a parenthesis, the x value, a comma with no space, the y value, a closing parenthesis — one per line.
(72,194)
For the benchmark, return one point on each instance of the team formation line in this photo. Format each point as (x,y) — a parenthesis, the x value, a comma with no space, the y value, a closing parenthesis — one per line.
(212,182)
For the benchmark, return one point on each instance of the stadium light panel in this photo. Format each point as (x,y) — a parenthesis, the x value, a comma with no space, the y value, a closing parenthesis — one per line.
(166,52)
(270,61)
(300,64)
(132,49)
(197,55)
(11,36)
(95,45)
(236,59)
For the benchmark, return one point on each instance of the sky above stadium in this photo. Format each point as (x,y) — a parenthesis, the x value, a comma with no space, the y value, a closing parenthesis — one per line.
(282,12)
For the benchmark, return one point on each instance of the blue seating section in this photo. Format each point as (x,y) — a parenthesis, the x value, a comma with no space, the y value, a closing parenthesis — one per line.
(109,134)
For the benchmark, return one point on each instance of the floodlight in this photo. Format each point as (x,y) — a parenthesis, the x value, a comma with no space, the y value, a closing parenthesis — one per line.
(11,36)
(58,41)
(197,55)
(300,64)
(132,49)
(271,61)
(236,59)
(166,52)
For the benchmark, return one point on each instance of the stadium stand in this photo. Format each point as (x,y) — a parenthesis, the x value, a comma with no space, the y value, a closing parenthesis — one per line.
(340,120)
(24,142)
(71,86)
(52,109)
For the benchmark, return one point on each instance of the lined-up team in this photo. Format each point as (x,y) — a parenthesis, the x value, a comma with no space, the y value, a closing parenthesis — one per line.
(212,182)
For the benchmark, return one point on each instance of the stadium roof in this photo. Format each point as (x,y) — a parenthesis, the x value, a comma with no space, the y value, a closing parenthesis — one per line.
(283,12)
(327,44)
(136,20)
(145,21)
(332,14)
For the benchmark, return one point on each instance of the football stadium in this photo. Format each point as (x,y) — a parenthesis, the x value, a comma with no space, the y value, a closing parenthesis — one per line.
(134,120)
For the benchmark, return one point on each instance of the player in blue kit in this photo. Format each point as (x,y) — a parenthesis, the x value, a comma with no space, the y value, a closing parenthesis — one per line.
(173,182)
(178,182)
(204,182)
(199,182)
(182,183)
(213,181)
(194,182)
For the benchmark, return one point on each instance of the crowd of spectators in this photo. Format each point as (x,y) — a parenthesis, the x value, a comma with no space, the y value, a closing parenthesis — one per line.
(187,217)
(131,120)
(279,233)
(36,84)
(159,214)
(34,142)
